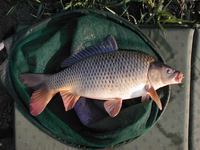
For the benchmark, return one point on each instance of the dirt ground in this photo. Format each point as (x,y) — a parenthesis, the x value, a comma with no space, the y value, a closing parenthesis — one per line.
(8,25)
(6,105)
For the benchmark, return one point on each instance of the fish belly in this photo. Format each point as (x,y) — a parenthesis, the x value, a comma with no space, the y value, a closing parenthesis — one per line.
(108,94)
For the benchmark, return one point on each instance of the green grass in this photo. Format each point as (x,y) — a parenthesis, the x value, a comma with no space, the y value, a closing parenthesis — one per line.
(136,11)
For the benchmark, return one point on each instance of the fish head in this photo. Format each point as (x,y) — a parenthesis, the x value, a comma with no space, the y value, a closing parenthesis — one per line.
(161,75)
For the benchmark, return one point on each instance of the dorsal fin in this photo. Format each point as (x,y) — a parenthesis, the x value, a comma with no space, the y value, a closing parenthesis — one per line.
(109,44)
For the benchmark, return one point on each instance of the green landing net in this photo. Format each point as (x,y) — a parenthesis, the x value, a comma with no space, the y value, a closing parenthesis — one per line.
(42,48)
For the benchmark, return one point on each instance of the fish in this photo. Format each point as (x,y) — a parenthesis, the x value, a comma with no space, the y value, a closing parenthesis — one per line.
(102,72)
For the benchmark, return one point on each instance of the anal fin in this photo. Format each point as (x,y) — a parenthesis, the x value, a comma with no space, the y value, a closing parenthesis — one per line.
(69,99)
(113,107)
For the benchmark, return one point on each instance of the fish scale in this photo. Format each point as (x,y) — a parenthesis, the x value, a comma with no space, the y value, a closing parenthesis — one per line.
(104,75)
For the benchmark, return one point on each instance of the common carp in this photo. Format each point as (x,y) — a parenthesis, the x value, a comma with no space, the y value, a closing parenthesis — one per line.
(102,72)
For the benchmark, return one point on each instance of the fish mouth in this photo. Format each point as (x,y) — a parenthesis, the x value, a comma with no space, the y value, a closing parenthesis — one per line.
(179,77)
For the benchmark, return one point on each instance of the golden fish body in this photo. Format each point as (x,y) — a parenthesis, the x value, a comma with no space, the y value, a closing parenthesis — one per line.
(121,74)
(104,73)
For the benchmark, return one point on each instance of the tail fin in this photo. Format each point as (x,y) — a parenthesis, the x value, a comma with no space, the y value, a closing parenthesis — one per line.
(39,100)
(33,80)
(41,97)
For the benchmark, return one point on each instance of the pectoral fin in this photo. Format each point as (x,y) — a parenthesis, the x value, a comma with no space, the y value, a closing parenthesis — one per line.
(69,99)
(153,94)
(113,106)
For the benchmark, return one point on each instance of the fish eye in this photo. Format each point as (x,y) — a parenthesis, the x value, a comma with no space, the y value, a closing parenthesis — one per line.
(170,71)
